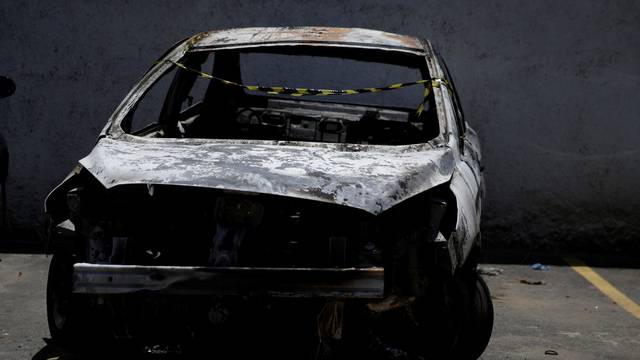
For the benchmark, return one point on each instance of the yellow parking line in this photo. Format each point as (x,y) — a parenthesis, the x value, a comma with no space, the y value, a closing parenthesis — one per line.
(603,285)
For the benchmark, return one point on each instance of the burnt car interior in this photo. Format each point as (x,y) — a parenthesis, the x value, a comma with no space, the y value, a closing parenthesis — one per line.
(194,107)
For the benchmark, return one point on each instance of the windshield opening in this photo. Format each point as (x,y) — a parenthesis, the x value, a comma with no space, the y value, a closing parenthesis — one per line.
(338,95)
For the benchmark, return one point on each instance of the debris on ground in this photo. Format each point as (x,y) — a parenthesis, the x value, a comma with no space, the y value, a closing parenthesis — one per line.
(533,282)
(541,267)
(490,271)
(551,352)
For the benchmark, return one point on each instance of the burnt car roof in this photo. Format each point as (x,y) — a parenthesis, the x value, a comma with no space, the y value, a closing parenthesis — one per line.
(327,36)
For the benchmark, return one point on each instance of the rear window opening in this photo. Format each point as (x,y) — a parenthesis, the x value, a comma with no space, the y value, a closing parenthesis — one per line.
(185,104)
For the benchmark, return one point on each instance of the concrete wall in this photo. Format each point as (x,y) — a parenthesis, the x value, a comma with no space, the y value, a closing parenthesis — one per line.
(552,87)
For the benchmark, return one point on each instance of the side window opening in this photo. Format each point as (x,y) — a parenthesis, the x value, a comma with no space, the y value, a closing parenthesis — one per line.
(177,93)
(145,115)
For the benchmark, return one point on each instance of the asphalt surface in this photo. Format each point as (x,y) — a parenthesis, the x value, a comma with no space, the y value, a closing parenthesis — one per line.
(565,316)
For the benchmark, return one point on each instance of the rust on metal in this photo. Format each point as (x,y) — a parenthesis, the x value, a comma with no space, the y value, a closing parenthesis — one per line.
(307,35)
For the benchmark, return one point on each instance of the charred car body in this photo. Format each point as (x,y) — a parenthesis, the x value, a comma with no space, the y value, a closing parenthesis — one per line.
(236,206)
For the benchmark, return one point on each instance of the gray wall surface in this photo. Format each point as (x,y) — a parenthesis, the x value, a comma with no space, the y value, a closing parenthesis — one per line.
(551,86)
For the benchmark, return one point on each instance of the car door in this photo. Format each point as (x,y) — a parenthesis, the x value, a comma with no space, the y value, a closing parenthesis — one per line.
(467,181)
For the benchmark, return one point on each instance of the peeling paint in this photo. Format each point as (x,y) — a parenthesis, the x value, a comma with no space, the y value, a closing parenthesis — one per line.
(305,35)
(373,178)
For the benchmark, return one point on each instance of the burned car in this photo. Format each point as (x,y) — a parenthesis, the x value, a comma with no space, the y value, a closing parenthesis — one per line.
(306,183)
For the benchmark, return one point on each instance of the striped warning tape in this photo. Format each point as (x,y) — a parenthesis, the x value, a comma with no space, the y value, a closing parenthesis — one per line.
(283,90)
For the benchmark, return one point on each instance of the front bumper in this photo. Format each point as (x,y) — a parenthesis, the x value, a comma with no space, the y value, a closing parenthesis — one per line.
(364,283)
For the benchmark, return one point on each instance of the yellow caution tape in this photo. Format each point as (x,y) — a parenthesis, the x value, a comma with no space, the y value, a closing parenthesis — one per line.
(283,90)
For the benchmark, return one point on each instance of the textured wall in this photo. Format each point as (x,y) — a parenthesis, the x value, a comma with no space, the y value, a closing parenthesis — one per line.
(552,86)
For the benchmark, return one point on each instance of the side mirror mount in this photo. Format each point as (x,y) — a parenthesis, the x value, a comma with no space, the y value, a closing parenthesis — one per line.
(7,87)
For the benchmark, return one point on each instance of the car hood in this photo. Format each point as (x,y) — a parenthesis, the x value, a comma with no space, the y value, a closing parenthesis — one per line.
(371,178)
